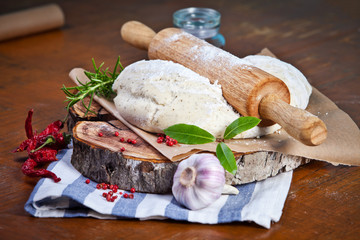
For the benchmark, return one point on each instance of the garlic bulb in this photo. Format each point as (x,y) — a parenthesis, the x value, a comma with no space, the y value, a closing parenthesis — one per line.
(198,181)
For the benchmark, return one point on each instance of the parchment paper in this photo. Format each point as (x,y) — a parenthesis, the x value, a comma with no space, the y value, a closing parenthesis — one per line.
(342,145)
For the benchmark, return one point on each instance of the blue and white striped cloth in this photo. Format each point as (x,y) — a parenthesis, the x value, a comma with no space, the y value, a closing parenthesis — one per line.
(260,202)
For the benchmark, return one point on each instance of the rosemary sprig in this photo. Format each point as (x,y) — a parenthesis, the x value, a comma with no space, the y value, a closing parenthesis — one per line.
(100,84)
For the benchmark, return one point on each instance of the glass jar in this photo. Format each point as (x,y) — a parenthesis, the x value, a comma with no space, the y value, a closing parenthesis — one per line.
(203,23)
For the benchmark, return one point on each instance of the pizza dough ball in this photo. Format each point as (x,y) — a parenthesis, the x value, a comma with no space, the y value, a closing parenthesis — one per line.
(299,87)
(156,94)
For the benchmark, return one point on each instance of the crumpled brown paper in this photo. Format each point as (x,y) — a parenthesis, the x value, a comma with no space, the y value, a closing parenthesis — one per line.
(342,145)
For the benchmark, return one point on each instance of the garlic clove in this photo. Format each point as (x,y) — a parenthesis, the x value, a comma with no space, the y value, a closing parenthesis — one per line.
(198,181)
(229,190)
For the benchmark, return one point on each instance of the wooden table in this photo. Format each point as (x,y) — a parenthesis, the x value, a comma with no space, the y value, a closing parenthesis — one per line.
(321,38)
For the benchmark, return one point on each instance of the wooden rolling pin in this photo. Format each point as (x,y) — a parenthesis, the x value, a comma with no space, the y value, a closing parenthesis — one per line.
(251,91)
(30,21)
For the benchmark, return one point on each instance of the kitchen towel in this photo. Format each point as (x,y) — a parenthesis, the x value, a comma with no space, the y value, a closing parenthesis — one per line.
(260,202)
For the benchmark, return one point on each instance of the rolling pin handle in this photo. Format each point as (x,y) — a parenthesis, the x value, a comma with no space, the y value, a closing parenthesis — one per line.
(137,34)
(298,123)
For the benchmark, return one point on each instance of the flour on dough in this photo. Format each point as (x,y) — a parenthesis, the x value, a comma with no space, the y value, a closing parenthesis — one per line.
(299,87)
(156,94)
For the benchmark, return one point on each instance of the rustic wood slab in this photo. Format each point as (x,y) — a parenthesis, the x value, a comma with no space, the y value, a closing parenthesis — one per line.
(141,166)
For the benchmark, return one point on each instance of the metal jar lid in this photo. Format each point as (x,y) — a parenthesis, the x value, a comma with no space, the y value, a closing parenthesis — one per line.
(201,22)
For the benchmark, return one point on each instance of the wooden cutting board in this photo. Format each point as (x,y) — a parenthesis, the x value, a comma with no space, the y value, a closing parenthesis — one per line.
(141,166)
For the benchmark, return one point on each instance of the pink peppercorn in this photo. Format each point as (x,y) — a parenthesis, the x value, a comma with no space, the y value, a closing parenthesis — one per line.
(108,197)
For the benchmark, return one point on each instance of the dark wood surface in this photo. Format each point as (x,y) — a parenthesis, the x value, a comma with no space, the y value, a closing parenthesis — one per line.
(321,38)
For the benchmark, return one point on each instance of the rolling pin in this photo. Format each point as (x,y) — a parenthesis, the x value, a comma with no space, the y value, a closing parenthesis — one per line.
(30,21)
(250,90)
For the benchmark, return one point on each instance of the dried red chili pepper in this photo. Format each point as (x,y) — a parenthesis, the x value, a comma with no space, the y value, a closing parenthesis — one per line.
(23,146)
(44,155)
(28,124)
(61,139)
(28,169)
(52,128)
(42,147)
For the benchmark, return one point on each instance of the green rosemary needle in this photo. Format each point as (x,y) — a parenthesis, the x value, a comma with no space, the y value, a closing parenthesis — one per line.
(100,84)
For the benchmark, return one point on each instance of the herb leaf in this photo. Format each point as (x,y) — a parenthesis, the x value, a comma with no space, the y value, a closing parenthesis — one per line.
(189,134)
(226,157)
(240,125)
(100,84)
